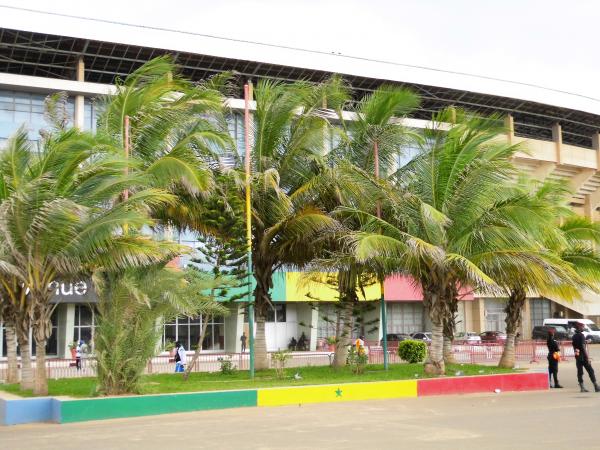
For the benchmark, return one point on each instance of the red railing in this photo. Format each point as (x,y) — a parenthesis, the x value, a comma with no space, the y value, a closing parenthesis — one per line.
(525,351)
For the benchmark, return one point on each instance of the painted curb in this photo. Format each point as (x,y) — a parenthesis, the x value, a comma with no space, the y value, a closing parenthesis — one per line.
(343,392)
(50,409)
(120,407)
(483,383)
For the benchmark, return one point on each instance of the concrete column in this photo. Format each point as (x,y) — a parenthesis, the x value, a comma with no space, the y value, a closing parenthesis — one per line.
(509,123)
(557,138)
(68,318)
(596,146)
(79,119)
(307,323)
(478,311)
(526,326)
(234,326)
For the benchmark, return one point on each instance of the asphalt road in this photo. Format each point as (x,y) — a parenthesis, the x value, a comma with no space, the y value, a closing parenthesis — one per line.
(554,419)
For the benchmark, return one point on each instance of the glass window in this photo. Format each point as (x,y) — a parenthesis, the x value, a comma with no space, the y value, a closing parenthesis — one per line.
(187,331)
(85,322)
(276,313)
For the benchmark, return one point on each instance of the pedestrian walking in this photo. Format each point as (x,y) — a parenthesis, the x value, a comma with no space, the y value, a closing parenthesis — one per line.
(243,340)
(582,359)
(179,357)
(553,358)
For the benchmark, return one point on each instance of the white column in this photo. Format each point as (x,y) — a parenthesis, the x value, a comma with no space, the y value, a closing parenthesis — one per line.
(69,325)
(79,118)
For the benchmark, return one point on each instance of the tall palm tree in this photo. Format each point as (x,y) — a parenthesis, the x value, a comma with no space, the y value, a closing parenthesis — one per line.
(176,129)
(371,140)
(287,162)
(443,217)
(64,221)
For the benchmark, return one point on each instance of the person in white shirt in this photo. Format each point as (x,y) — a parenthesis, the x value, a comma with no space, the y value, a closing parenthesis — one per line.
(179,357)
(78,352)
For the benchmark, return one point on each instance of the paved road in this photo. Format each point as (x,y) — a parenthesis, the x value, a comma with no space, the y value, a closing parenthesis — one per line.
(484,421)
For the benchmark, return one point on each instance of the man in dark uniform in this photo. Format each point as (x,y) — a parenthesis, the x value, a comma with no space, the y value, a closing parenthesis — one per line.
(553,357)
(582,359)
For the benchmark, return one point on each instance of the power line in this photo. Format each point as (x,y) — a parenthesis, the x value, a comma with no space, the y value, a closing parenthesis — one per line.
(299,49)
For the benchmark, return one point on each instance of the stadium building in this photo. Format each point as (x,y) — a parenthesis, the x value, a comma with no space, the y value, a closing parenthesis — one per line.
(84,57)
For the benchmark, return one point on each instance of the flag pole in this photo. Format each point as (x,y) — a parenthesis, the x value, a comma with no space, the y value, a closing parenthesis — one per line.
(249,225)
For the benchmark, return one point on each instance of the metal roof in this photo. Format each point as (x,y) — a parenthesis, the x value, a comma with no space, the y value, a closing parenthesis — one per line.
(55,56)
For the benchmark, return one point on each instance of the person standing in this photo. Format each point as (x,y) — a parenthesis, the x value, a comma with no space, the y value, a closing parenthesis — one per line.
(243,340)
(582,359)
(179,357)
(553,358)
(78,352)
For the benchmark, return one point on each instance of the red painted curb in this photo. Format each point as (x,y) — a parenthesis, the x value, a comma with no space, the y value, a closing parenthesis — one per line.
(484,383)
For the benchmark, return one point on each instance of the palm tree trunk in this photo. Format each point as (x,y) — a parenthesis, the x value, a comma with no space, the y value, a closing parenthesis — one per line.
(40,386)
(26,368)
(434,301)
(11,355)
(450,324)
(261,358)
(344,337)
(190,366)
(448,353)
(514,315)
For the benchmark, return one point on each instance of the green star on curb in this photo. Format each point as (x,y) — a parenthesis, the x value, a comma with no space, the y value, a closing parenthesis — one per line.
(338,393)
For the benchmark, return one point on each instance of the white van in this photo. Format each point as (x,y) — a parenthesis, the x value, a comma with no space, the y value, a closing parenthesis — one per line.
(590,329)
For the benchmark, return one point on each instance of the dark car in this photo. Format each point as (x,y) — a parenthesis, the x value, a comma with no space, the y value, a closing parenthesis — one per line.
(488,337)
(541,333)
(421,336)
(395,338)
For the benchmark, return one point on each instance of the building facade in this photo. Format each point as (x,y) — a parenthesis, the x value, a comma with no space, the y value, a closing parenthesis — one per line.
(83,59)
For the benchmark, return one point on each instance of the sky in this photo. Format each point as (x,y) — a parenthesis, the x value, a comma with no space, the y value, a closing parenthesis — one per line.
(548,43)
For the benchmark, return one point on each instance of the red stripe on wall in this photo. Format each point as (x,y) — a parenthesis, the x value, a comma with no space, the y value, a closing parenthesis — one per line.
(485,383)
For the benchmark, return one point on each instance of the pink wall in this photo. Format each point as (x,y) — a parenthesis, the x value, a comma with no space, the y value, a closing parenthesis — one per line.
(403,288)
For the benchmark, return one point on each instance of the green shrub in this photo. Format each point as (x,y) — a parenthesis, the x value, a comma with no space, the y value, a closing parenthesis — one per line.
(280,359)
(412,351)
(227,367)
(357,360)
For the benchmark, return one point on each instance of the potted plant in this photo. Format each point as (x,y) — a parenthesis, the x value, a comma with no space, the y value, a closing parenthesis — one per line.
(331,341)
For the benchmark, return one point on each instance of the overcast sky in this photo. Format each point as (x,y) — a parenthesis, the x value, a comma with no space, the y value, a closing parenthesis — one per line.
(549,43)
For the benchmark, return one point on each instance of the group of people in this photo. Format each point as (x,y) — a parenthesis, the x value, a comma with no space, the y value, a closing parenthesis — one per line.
(582,359)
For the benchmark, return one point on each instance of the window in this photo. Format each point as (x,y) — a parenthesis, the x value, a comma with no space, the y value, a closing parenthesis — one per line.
(327,320)
(404,317)
(90,115)
(540,310)
(187,331)
(85,322)
(25,108)
(276,313)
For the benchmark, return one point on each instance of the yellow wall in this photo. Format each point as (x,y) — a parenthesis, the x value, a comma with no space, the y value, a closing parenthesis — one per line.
(299,289)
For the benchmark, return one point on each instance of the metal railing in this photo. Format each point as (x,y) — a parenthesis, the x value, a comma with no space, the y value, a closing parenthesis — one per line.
(484,353)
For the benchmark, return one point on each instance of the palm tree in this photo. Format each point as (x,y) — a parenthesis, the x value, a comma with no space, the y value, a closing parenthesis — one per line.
(176,128)
(287,162)
(132,307)
(64,221)
(370,143)
(444,216)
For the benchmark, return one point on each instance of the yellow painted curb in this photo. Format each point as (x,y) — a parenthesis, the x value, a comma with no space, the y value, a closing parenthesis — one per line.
(337,393)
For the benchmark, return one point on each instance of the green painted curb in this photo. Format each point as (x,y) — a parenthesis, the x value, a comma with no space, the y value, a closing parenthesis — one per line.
(114,408)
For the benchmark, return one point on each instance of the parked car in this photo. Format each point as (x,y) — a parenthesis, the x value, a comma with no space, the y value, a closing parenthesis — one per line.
(395,338)
(493,337)
(468,337)
(421,336)
(541,333)
(591,331)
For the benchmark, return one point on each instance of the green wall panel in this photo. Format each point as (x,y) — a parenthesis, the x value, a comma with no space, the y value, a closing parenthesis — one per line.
(277,293)
(112,408)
